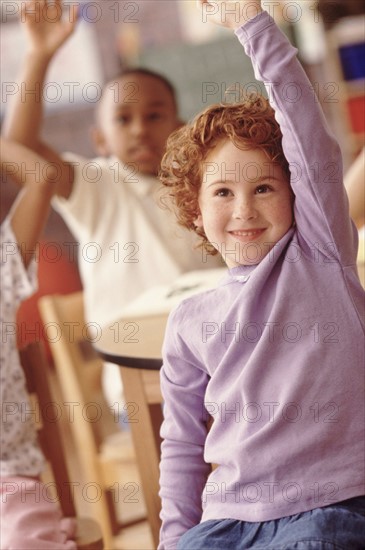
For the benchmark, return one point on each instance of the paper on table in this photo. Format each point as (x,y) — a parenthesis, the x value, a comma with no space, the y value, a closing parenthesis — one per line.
(163,298)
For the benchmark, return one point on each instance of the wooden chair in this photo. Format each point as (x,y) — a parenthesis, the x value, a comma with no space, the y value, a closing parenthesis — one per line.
(143,396)
(38,377)
(105,453)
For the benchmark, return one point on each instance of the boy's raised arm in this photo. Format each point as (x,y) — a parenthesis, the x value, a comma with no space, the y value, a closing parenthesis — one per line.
(47,27)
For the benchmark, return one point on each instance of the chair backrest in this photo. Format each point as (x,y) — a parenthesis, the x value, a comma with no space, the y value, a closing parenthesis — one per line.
(68,336)
(79,370)
(144,406)
(39,384)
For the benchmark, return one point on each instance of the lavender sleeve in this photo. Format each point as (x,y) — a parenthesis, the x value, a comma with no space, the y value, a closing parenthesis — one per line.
(183,469)
(321,206)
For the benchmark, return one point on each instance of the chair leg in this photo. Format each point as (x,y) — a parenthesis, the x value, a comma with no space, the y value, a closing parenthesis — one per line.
(115,524)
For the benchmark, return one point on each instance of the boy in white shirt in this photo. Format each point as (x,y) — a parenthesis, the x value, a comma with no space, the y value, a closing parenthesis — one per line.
(127,243)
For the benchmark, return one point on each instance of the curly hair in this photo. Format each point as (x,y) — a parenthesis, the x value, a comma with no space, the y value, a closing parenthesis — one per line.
(249,124)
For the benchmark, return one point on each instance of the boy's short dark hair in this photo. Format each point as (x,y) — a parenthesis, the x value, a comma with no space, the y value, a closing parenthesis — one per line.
(249,124)
(153,74)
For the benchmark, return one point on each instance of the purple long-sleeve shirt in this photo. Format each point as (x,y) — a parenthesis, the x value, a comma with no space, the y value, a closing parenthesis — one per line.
(275,354)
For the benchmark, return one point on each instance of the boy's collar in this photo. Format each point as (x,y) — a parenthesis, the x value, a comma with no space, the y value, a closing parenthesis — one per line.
(142,184)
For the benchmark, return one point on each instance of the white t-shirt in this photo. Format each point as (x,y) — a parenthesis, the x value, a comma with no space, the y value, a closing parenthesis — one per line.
(127,242)
(20,453)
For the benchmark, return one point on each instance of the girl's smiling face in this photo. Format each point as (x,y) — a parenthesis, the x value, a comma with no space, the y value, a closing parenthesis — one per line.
(245,203)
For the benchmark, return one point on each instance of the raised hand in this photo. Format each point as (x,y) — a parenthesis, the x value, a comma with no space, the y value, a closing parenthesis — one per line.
(231,14)
(48,25)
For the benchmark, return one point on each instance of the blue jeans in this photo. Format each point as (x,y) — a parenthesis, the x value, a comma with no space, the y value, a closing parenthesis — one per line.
(340,526)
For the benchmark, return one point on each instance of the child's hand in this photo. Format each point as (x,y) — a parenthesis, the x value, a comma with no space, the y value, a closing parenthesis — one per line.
(231,14)
(46,29)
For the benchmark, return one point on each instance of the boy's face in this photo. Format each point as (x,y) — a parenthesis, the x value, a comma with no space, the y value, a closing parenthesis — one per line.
(136,115)
(245,203)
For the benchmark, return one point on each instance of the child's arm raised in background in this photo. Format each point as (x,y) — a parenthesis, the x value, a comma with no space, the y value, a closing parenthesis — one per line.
(46,31)
(29,212)
(30,523)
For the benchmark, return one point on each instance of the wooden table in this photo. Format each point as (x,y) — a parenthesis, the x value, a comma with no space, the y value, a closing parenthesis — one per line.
(134,342)
(136,339)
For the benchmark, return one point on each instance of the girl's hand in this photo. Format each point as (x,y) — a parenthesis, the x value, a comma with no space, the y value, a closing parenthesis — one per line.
(231,14)
(47,25)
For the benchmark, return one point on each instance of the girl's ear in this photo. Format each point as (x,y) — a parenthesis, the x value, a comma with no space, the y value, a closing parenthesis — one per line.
(99,142)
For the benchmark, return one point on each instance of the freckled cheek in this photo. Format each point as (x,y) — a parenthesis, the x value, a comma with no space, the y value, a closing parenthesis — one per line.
(280,213)
(270,211)
(214,217)
(288,211)
(216,213)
